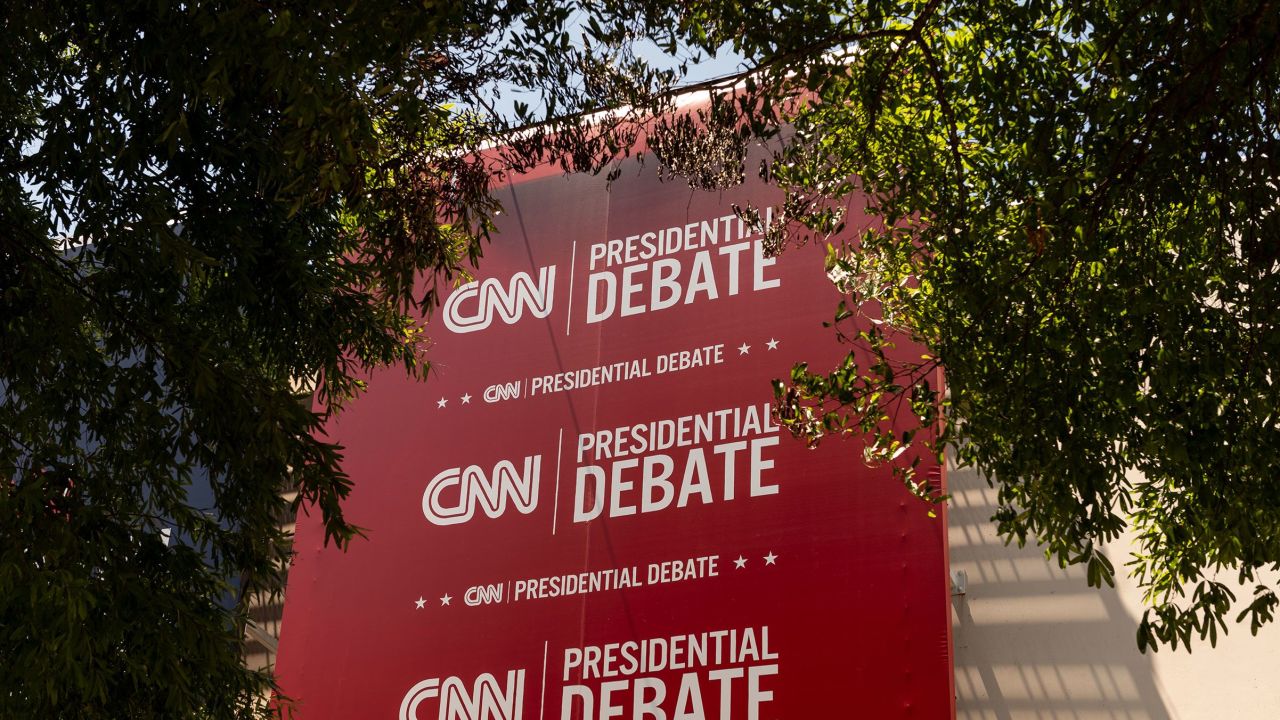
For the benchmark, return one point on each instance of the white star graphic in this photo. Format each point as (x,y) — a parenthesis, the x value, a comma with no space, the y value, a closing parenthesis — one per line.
(466,399)
(445,600)
(744,349)
(420,603)
(770,558)
(740,563)
(441,403)
(773,344)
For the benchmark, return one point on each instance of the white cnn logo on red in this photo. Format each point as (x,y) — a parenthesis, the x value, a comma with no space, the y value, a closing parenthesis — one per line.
(453,495)
(486,700)
(472,306)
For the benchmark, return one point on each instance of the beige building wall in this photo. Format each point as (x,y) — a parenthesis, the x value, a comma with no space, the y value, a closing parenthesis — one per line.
(262,636)
(1034,641)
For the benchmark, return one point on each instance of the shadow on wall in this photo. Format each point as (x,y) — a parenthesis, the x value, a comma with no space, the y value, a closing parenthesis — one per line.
(1032,640)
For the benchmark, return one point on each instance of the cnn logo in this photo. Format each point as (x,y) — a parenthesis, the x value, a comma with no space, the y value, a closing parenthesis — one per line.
(472,306)
(453,495)
(485,700)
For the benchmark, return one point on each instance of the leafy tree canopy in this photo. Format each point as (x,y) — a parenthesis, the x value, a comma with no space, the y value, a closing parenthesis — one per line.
(213,211)
(1078,206)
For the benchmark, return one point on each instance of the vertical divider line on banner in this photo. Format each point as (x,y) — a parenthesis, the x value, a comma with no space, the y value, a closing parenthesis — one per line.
(542,702)
(573,259)
(555,505)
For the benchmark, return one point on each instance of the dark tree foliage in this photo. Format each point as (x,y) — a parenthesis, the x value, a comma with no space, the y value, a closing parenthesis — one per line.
(1077,206)
(214,212)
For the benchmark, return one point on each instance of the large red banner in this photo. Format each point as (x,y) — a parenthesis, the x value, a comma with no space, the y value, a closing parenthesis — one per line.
(588,511)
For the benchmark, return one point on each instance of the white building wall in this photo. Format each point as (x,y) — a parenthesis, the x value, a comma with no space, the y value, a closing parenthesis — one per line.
(1034,641)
